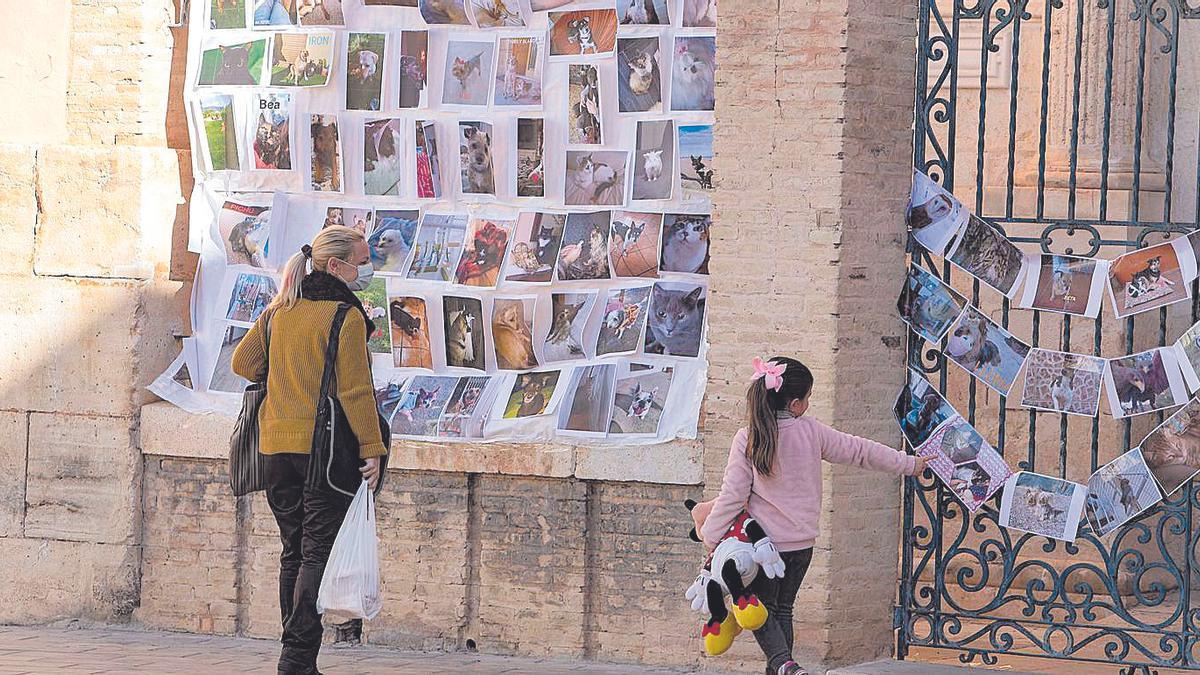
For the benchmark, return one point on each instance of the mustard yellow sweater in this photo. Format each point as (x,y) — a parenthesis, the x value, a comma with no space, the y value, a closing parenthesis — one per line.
(299,337)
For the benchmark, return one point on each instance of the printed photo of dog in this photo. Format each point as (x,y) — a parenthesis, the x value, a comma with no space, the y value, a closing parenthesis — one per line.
(271,142)
(383,156)
(301,59)
(519,71)
(1042,505)
(639,78)
(1144,382)
(466,410)
(1066,284)
(986,254)
(483,252)
(531,394)
(410,333)
(463,331)
(643,12)
(428,171)
(1063,382)
(633,243)
(696,159)
(1151,277)
(1120,490)
(640,400)
(928,305)
(226,14)
(585,32)
(468,75)
(987,351)
(530,172)
(414,68)
(475,158)
(1172,451)
(421,405)
(361,219)
(512,332)
(654,160)
(623,320)
(497,13)
(920,409)
(934,216)
(964,462)
(444,12)
(320,12)
(586,411)
(326,165)
(596,177)
(365,70)
(694,74)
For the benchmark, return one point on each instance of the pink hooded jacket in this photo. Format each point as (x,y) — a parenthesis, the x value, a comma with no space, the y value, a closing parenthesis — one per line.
(788,502)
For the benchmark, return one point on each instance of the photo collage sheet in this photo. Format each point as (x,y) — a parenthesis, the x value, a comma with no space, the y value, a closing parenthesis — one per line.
(1154,380)
(533,180)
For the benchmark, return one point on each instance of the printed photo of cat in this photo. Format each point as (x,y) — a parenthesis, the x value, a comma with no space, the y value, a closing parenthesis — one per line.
(326,165)
(483,252)
(392,239)
(694,70)
(676,323)
(512,332)
(568,316)
(986,254)
(421,405)
(643,12)
(271,139)
(584,252)
(468,75)
(587,408)
(444,11)
(696,159)
(463,327)
(536,241)
(497,13)
(685,243)
(234,64)
(622,322)
(464,413)
(383,156)
(640,399)
(633,244)
(519,71)
(639,82)
(654,160)
(410,332)
(530,174)
(414,68)
(596,177)
(244,229)
(699,13)
(531,394)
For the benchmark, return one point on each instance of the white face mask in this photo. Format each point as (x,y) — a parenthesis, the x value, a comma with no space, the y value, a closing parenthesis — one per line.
(366,272)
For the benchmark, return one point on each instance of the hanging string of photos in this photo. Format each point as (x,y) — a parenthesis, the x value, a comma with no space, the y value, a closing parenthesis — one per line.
(1056,381)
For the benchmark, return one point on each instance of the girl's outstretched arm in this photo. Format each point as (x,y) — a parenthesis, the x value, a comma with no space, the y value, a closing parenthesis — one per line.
(842,448)
(735,492)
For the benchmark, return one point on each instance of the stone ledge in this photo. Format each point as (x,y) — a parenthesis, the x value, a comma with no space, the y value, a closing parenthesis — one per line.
(170,431)
(889,667)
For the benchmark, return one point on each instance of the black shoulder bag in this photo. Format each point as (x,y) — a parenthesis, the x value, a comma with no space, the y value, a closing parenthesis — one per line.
(248,466)
(334,461)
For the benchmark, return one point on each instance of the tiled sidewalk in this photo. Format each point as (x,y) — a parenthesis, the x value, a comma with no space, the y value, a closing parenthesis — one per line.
(111,650)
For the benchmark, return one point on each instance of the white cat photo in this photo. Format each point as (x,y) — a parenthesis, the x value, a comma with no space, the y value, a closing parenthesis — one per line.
(654,160)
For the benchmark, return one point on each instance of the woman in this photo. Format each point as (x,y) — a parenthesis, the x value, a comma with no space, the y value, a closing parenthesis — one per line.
(299,321)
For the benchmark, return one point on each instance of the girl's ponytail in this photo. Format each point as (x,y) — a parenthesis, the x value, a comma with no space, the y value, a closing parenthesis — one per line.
(776,384)
(293,273)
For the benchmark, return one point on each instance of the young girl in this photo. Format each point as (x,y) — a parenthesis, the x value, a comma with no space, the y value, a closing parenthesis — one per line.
(774,472)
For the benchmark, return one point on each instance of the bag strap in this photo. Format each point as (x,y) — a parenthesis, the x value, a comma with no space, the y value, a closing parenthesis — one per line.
(267,349)
(329,376)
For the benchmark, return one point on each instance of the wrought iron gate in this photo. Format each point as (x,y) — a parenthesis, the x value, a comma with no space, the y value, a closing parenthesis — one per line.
(1072,125)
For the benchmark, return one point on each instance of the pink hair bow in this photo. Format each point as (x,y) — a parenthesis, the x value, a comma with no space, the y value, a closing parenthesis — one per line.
(771,371)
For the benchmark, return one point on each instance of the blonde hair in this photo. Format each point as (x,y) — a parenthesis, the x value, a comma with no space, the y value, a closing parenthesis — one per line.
(332,242)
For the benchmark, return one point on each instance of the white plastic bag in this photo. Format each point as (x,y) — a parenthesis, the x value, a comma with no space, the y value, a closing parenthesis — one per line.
(350,586)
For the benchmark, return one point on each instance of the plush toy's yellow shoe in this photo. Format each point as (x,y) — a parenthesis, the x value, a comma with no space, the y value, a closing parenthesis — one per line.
(749,612)
(718,637)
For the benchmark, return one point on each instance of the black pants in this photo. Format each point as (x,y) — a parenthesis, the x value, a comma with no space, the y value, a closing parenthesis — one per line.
(308,523)
(779,595)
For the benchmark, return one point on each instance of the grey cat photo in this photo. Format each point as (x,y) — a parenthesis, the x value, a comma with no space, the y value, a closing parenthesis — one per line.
(676,323)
